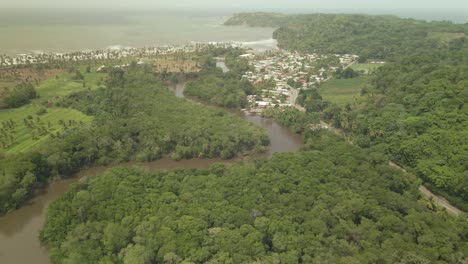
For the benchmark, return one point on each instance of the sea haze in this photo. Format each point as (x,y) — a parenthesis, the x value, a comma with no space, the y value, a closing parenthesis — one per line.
(34,31)
(65,30)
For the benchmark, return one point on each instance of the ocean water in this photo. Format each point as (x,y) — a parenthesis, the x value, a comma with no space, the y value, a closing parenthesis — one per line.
(36,31)
(56,30)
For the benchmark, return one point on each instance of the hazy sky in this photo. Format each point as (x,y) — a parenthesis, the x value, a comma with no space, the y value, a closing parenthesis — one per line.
(459,5)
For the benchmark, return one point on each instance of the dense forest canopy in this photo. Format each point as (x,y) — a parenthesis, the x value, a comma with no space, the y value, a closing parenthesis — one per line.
(332,203)
(223,89)
(19,95)
(230,93)
(141,113)
(19,174)
(298,121)
(417,113)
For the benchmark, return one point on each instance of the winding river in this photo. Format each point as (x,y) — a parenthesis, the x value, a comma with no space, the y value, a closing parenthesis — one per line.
(19,230)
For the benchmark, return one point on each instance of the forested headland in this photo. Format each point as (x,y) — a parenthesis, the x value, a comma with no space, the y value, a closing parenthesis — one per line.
(414,109)
(374,37)
(331,203)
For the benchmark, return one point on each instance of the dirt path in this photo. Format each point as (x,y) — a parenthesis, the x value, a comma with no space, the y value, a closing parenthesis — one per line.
(293,99)
(439,200)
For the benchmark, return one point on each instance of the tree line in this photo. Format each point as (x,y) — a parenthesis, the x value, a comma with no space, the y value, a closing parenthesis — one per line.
(18,96)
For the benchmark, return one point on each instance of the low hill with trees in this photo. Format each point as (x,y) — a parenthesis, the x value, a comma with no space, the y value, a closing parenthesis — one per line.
(373,37)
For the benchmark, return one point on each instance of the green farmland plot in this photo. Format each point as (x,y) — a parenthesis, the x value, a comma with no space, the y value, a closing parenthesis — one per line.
(445,37)
(65,84)
(22,129)
(342,91)
(366,67)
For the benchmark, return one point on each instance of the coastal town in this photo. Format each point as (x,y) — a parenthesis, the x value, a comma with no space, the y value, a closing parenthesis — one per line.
(279,75)
(283,74)
(105,54)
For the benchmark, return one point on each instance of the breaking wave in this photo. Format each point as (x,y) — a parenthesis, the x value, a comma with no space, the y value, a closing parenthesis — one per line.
(264,44)
(117,47)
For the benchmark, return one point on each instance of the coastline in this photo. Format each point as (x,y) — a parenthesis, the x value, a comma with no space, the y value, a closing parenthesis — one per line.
(61,31)
(120,52)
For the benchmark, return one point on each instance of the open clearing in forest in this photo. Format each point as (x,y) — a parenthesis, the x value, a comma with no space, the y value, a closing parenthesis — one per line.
(342,91)
(175,65)
(64,84)
(28,74)
(366,68)
(445,37)
(51,83)
(29,128)
(21,138)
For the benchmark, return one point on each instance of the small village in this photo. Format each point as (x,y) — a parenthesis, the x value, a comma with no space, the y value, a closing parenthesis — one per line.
(106,54)
(281,75)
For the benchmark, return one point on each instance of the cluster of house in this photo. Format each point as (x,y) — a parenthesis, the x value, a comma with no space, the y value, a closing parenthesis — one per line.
(112,53)
(288,72)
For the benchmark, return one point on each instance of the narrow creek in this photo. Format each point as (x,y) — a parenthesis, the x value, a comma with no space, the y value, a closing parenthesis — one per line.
(19,230)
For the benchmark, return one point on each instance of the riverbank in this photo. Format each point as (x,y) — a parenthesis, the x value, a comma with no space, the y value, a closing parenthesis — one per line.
(19,230)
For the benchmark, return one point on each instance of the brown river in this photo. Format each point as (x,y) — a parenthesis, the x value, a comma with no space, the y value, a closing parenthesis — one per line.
(19,230)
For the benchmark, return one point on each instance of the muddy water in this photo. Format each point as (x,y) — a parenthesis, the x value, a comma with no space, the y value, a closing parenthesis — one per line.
(19,243)
(282,139)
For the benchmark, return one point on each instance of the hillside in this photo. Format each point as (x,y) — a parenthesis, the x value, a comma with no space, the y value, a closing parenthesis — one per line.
(414,110)
(374,37)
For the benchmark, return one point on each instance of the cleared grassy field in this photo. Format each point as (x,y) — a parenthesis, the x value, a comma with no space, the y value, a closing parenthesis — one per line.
(342,91)
(176,66)
(28,129)
(64,84)
(21,138)
(445,37)
(6,84)
(366,67)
